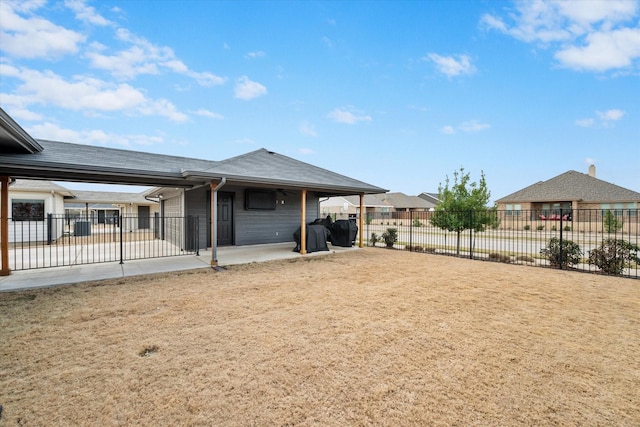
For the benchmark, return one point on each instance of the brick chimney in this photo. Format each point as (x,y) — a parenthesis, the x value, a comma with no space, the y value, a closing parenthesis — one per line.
(592,171)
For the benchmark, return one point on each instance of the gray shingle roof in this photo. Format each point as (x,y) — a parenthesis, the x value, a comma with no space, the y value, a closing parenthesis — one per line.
(402,201)
(39,185)
(110,197)
(264,166)
(76,162)
(571,186)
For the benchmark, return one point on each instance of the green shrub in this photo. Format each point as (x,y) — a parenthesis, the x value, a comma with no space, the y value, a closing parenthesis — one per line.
(554,228)
(374,239)
(527,227)
(540,227)
(562,255)
(417,223)
(613,255)
(611,223)
(390,237)
(567,228)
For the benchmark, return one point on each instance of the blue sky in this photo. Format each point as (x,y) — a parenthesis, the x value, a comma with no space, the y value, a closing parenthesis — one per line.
(398,94)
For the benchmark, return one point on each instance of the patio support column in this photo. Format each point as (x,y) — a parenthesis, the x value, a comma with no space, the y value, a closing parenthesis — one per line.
(303,221)
(214,219)
(4,225)
(361,222)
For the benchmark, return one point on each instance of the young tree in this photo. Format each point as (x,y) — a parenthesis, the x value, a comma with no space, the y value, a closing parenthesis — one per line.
(463,205)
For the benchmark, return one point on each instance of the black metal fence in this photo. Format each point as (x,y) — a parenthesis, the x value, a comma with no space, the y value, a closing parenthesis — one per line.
(62,240)
(587,240)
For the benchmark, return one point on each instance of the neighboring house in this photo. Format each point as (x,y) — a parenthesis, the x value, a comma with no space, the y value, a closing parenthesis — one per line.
(29,203)
(102,206)
(432,198)
(569,192)
(403,205)
(344,207)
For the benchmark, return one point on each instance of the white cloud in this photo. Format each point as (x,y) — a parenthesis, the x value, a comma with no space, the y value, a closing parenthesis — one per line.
(605,118)
(54,132)
(307,129)
(210,114)
(473,126)
(448,130)
(247,89)
(610,115)
(253,55)
(452,65)
(143,57)
(348,115)
(84,94)
(585,123)
(163,108)
(603,51)
(34,37)
(86,13)
(468,126)
(598,35)
(24,114)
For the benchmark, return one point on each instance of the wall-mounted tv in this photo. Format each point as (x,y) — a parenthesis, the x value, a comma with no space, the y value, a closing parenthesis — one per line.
(258,199)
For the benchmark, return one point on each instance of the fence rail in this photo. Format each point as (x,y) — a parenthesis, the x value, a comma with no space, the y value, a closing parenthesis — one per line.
(585,240)
(61,240)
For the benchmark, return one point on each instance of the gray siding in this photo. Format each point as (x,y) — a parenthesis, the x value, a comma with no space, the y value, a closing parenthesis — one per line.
(252,227)
(258,227)
(197,205)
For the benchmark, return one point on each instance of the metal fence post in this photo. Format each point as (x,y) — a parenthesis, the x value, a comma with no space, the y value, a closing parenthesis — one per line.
(470,234)
(121,244)
(411,230)
(561,241)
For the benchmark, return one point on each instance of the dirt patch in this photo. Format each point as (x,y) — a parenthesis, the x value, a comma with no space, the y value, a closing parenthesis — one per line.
(370,337)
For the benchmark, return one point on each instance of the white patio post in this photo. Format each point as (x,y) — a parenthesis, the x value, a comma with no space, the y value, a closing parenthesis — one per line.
(361,222)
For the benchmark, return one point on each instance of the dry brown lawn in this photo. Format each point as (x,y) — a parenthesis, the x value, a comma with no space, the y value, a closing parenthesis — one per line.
(368,337)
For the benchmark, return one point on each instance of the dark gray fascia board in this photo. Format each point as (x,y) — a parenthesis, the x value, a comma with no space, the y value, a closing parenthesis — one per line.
(328,188)
(17,137)
(97,175)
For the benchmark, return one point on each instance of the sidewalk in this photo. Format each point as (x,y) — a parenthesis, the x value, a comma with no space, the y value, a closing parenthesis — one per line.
(44,277)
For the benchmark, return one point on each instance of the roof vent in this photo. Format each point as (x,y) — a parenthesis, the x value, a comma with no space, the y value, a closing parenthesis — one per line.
(592,171)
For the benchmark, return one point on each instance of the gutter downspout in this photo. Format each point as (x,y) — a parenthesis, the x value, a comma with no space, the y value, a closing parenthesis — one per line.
(214,220)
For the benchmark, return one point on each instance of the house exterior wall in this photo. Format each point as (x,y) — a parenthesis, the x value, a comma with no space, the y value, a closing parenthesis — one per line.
(171,213)
(36,231)
(250,227)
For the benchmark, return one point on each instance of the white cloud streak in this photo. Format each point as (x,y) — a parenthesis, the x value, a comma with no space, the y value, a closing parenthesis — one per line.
(34,37)
(247,89)
(595,36)
(54,132)
(452,66)
(86,13)
(348,115)
(468,126)
(604,118)
(84,94)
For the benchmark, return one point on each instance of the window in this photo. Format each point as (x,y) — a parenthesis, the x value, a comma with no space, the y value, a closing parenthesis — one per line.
(632,209)
(260,200)
(27,210)
(513,210)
